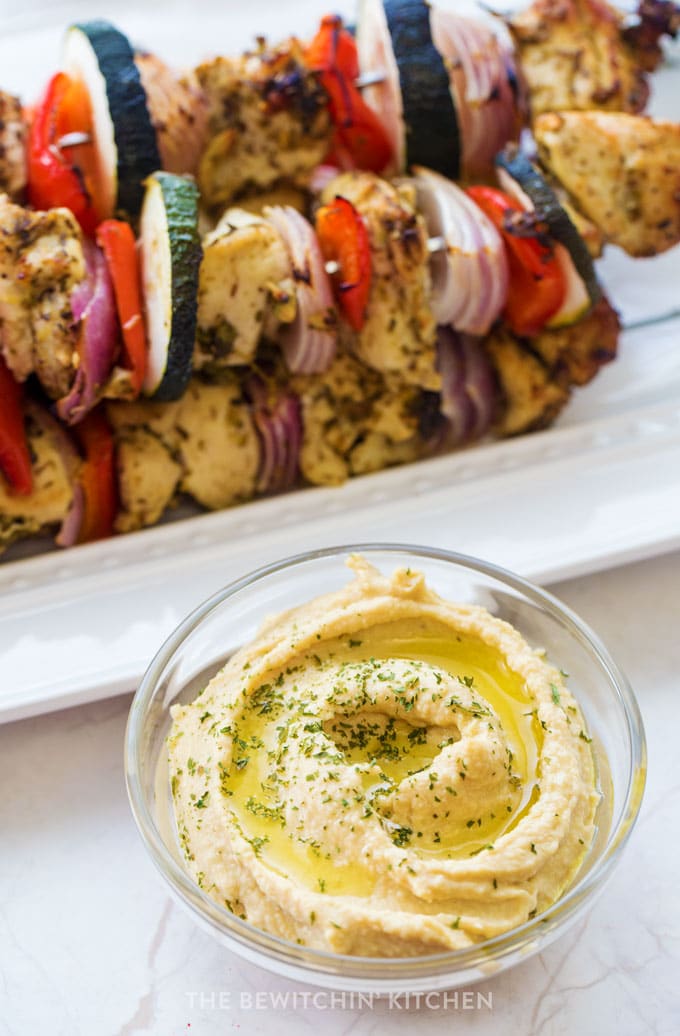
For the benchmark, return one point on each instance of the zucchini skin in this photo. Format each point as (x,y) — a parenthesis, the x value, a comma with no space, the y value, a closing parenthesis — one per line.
(180,198)
(134,134)
(520,167)
(432,131)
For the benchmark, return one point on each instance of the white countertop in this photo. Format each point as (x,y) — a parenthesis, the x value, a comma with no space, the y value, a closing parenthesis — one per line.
(91,943)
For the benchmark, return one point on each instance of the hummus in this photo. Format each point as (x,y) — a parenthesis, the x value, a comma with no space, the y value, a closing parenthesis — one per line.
(384,773)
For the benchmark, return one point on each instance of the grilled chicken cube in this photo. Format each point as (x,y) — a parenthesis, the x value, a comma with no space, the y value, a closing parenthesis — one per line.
(12,146)
(654,19)
(148,478)
(622,172)
(574,55)
(268,122)
(535,374)
(283,195)
(531,393)
(581,349)
(354,421)
(178,110)
(205,445)
(245,287)
(41,261)
(48,503)
(219,447)
(399,334)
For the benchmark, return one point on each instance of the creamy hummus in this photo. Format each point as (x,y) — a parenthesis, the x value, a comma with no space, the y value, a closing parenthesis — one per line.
(385,773)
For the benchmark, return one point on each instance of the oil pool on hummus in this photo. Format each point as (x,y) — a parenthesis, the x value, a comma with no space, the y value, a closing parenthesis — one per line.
(383,772)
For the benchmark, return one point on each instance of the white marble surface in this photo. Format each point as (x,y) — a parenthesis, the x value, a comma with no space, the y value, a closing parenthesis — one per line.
(90,942)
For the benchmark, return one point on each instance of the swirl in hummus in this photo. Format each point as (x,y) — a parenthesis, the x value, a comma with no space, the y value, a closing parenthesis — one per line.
(384,773)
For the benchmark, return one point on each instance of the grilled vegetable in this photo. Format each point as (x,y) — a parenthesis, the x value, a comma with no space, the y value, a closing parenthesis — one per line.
(94,309)
(485,86)
(469,391)
(359,139)
(60,176)
(536,284)
(117,241)
(470,274)
(309,342)
(178,111)
(170,253)
(344,241)
(100,57)
(276,416)
(15,460)
(520,178)
(413,97)
(93,508)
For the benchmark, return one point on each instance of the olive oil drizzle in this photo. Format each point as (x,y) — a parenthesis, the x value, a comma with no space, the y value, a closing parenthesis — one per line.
(378,753)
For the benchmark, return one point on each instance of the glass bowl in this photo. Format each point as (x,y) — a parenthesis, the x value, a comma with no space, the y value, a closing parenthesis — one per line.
(203,642)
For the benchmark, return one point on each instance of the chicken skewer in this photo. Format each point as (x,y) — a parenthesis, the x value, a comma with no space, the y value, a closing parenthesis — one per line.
(53,385)
(351,418)
(506,353)
(180,110)
(245,123)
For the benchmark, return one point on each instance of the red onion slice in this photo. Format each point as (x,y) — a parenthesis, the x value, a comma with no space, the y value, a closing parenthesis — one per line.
(469,278)
(277,418)
(456,406)
(93,305)
(70,528)
(322,176)
(482,77)
(376,59)
(468,395)
(309,342)
(480,384)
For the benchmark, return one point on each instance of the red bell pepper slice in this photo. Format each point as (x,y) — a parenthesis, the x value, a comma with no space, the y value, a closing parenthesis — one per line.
(15,458)
(343,239)
(358,130)
(536,286)
(97,477)
(117,241)
(64,176)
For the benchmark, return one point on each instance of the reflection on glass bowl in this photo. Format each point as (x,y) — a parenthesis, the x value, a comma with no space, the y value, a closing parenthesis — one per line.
(211,634)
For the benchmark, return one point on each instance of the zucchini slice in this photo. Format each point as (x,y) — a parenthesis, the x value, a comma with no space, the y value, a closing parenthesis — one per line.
(170,254)
(396,35)
(101,57)
(520,178)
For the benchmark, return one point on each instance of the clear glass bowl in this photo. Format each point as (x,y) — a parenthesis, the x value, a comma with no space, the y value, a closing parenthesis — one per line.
(202,643)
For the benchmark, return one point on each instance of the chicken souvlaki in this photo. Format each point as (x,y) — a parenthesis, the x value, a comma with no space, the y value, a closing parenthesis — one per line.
(225,283)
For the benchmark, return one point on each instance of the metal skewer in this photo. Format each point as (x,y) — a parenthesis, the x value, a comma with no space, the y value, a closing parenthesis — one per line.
(370,78)
(434,244)
(74,139)
(659,318)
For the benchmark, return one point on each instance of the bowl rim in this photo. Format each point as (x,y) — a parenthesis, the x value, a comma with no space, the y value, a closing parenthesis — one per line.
(326,962)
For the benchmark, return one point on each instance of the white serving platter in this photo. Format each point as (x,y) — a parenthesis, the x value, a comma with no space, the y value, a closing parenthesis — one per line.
(599,488)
